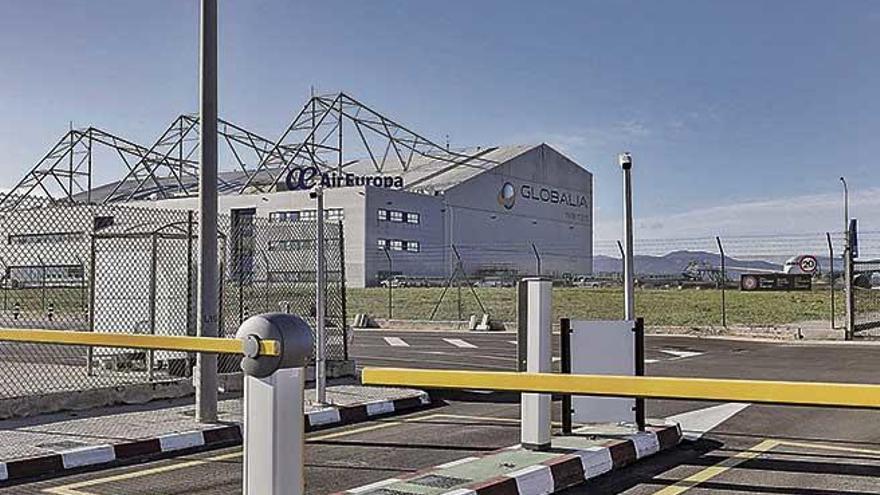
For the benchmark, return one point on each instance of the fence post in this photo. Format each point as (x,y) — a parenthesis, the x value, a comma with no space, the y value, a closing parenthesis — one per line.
(537,260)
(274,428)
(848,283)
(320,294)
(565,369)
(723,284)
(831,274)
(535,425)
(388,281)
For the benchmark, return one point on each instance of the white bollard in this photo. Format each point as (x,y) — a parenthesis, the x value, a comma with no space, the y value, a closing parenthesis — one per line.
(274,428)
(273,433)
(536,407)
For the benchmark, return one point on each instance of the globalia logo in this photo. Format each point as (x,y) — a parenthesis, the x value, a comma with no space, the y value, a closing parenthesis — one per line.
(507,195)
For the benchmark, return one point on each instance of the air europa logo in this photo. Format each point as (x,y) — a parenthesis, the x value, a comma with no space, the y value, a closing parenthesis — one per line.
(305,178)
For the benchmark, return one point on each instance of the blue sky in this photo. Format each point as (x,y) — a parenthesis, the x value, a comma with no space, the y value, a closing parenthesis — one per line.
(740,115)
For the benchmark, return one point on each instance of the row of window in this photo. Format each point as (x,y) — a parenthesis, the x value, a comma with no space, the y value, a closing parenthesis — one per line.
(330,215)
(399,216)
(398,245)
(292,245)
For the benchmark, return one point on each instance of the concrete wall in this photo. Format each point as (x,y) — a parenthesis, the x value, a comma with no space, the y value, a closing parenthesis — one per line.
(552,207)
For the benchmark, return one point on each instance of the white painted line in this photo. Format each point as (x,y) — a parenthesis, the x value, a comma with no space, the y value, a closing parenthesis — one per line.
(178,441)
(646,443)
(512,342)
(384,407)
(463,344)
(556,359)
(378,484)
(651,361)
(695,424)
(324,417)
(533,480)
(460,491)
(4,473)
(456,463)
(86,456)
(596,461)
(681,354)
(395,342)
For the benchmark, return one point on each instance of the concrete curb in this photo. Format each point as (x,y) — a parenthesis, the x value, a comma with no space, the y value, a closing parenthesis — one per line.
(94,456)
(562,472)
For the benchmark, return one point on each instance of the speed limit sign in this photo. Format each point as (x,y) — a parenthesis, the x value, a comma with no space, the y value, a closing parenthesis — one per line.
(808,264)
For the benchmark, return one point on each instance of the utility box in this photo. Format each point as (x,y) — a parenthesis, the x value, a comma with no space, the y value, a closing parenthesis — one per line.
(603,348)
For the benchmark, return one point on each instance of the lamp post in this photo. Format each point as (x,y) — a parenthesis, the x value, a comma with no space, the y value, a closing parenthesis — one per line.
(845,209)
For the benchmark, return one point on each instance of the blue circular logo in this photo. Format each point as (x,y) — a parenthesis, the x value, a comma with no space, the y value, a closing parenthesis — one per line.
(507,195)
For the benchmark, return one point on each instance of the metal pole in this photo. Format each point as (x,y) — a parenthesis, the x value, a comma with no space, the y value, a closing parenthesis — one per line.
(90,351)
(723,284)
(537,259)
(639,354)
(151,354)
(845,208)
(320,293)
(565,368)
(388,281)
(848,282)
(831,274)
(206,364)
(625,160)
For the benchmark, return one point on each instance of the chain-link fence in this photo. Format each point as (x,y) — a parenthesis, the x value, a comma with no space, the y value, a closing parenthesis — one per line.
(678,281)
(866,297)
(120,269)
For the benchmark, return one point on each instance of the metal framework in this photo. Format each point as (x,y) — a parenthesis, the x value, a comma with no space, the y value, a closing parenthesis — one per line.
(331,132)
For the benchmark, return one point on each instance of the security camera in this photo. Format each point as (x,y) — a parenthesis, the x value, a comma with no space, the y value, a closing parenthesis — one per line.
(625,160)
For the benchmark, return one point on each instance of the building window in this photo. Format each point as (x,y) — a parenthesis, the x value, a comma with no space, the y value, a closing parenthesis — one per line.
(396,245)
(412,217)
(308,215)
(399,216)
(413,246)
(284,216)
(334,215)
(382,215)
(381,244)
(395,216)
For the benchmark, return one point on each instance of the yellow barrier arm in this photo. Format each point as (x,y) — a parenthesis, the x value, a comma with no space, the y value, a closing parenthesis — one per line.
(768,392)
(136,341)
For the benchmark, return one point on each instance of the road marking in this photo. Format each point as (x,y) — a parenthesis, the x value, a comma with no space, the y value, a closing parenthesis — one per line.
(681,354)
(695,424)
(512,342)
(651,361)
(74,488)
(836,448)
(463,344)
(556,359)
(395,342)
(720,468)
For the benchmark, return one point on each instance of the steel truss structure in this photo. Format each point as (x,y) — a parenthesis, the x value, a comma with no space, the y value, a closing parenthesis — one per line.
(333,132)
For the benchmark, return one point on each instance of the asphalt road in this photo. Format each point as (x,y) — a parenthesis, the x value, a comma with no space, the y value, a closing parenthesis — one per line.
(761,449)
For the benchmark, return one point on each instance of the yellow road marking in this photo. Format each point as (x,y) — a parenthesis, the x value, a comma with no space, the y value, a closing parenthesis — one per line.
(713,471)
(836,448)
(74,488)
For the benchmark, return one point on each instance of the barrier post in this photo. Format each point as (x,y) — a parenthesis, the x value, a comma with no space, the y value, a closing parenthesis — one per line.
(535,424)
(274,429)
